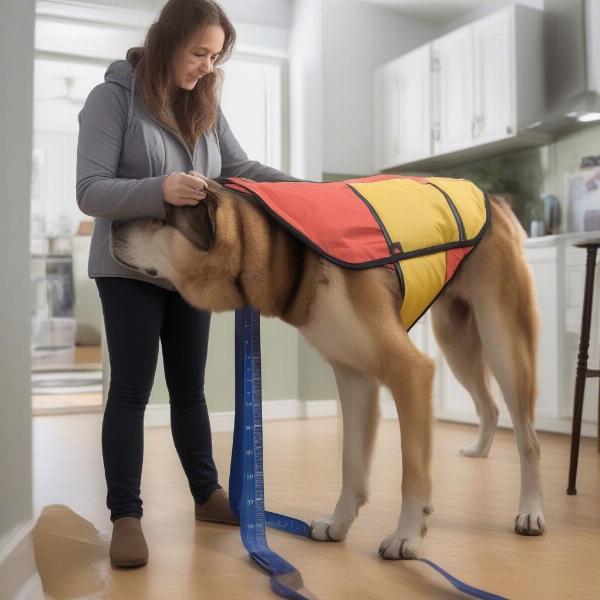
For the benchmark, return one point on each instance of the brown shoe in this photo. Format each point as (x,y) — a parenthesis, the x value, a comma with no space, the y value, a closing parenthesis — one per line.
(216,509)
(128,547)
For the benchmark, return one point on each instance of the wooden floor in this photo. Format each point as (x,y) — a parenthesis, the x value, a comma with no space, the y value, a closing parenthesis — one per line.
(470,533)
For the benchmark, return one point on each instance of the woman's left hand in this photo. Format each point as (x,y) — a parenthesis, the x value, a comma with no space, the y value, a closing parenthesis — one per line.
(196,174)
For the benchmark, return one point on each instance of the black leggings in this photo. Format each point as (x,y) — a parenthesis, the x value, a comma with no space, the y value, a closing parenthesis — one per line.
(136,315)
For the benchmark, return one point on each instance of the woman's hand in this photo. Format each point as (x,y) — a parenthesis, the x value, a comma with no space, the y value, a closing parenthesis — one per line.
(180,189)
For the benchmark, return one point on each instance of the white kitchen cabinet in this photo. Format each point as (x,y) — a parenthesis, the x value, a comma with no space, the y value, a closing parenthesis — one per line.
(484,95)
(474,83)
(473,92)
(414,121)
(493,75)
(453,82)
(402,108)
(544,265)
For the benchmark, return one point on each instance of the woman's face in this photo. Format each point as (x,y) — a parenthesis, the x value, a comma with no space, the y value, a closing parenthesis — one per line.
(198,57)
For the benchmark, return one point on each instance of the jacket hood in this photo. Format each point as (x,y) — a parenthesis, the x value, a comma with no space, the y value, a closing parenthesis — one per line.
(121,73)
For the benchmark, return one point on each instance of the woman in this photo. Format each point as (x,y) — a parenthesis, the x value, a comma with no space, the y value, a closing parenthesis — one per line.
(151,134)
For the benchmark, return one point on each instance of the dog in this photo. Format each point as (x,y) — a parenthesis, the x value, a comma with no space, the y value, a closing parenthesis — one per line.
(226,253)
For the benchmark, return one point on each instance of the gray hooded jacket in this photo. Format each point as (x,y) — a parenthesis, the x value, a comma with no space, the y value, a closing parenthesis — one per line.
(124,154)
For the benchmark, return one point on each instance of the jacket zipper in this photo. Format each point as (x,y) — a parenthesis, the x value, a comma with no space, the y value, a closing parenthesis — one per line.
(176,136)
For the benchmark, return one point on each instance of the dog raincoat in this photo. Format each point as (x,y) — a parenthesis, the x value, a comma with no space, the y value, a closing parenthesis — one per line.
(422,227)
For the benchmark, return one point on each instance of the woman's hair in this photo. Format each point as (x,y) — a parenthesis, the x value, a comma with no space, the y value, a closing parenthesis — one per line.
(189,112)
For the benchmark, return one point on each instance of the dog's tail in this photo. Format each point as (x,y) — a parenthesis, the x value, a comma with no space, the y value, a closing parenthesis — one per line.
(518,229)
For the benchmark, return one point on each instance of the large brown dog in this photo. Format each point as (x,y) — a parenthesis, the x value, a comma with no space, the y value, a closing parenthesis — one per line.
(226,253)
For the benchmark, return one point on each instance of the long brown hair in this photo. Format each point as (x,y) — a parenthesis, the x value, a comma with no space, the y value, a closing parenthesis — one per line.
(190,113)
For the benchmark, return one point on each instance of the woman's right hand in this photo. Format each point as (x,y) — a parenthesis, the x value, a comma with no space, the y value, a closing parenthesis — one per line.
(181,189)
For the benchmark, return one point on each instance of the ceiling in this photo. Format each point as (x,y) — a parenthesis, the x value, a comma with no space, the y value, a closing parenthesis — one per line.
(434,11)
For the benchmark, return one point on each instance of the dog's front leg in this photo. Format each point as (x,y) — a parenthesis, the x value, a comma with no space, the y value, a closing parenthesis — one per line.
(360,411)
(411,383)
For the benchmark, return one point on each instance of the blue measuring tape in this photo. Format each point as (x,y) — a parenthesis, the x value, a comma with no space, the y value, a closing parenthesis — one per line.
(246,477)
(246,481)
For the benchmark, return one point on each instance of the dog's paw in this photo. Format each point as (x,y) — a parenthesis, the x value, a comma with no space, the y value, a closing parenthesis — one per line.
(474,452)
(328,530)
(396,547)
(530,523)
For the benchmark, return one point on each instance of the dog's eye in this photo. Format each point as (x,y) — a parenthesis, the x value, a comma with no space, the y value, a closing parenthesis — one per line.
(158,223)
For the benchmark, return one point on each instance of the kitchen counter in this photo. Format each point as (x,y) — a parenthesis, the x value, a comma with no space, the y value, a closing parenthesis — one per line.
(550,240)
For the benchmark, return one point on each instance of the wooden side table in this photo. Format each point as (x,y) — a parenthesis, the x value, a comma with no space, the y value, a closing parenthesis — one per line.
(582,359)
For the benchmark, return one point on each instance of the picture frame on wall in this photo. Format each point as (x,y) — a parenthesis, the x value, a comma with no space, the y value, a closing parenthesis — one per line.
(583,200)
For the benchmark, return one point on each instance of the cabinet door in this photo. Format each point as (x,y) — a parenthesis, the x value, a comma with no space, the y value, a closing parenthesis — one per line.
(493,57)
(453,55)
(385,116)
(543,262)
(414,118)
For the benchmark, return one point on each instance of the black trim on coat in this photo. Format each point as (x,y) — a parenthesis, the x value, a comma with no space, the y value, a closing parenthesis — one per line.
(486,226)
(385,233)
(459,223)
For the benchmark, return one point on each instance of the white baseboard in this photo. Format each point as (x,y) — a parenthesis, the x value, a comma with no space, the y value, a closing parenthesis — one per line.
(320,408)
(159,415)
(19,577)
(542,423)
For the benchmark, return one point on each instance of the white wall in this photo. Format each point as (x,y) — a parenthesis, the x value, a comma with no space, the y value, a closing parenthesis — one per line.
(358,37)
(16,106)
(305,87)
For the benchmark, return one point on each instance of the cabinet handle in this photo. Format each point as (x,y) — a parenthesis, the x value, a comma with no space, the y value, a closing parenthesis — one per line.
(509,129)
(477,126)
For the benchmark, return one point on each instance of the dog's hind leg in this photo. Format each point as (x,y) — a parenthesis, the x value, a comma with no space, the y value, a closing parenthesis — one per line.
(360,411)
(507,332)
(457,335)
(409,376)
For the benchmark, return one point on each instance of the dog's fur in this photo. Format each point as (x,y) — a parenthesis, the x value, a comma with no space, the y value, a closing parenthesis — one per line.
(226,253)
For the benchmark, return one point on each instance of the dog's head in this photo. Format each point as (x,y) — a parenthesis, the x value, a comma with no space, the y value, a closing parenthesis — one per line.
(150,245)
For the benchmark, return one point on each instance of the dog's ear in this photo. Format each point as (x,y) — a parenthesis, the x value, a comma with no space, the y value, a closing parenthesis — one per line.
(198,223)
(202,221)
